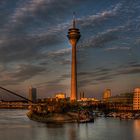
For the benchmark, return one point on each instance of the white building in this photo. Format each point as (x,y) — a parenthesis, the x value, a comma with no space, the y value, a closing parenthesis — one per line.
(136,99)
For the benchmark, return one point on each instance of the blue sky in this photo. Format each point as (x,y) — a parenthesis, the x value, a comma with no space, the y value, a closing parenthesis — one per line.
(34,49)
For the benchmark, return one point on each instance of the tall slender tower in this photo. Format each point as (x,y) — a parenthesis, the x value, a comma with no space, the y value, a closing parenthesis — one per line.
(73,36)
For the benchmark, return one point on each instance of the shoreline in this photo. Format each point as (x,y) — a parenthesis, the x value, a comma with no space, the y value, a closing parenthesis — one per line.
(124,115)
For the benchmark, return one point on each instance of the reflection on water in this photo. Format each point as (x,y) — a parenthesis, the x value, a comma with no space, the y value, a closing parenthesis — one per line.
(14,125)
(137,129)
(72,134)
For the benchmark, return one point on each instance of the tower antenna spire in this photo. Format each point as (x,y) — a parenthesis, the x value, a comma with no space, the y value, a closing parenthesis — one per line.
(74,22)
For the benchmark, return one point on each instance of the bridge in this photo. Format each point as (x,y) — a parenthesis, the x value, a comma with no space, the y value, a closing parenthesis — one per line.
(15,94)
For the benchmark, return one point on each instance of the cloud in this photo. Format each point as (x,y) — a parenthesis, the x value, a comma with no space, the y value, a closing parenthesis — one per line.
(98,75)
(93,20)
(57,82)
(117,48)
(38,41)
(60,52)
(65,62)
(129,71)
(23,53)
(20,74)
(133,67)
(23,11)
(38,11)
(103,74)
(27,47)
(102,38)
(34,31)
(84,82)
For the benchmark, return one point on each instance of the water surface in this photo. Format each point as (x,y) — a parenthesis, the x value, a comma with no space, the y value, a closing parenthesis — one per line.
(14,125)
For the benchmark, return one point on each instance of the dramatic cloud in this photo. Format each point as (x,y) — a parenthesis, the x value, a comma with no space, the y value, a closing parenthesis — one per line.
(132,67)
(98,18)
(117,48)
(130,71)
(104,37)
(34,46)
(102,74)
(20,74)
(59,53)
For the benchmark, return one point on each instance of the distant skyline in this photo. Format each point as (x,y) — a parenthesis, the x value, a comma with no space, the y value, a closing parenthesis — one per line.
(34,49)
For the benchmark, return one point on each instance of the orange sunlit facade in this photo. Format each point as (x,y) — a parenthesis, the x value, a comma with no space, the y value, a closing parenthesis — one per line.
(136,99)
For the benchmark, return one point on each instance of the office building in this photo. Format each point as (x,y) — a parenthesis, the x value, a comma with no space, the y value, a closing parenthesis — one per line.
(136,99)
(32,94)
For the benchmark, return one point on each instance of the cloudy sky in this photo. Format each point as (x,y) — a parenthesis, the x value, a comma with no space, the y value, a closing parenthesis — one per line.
(34,49)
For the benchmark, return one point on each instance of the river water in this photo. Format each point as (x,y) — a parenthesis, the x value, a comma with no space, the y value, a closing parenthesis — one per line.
(14,125)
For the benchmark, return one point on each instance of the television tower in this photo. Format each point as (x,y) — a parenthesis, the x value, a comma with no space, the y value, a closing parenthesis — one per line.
(73,36)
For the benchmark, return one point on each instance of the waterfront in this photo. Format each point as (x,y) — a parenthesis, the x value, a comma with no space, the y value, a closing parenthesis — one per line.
(14,125)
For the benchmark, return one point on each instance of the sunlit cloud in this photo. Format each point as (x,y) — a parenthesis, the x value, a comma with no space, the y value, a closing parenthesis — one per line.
(34,46)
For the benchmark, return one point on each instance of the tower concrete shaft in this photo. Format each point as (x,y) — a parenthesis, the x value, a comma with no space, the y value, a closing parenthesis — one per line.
(73,36)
